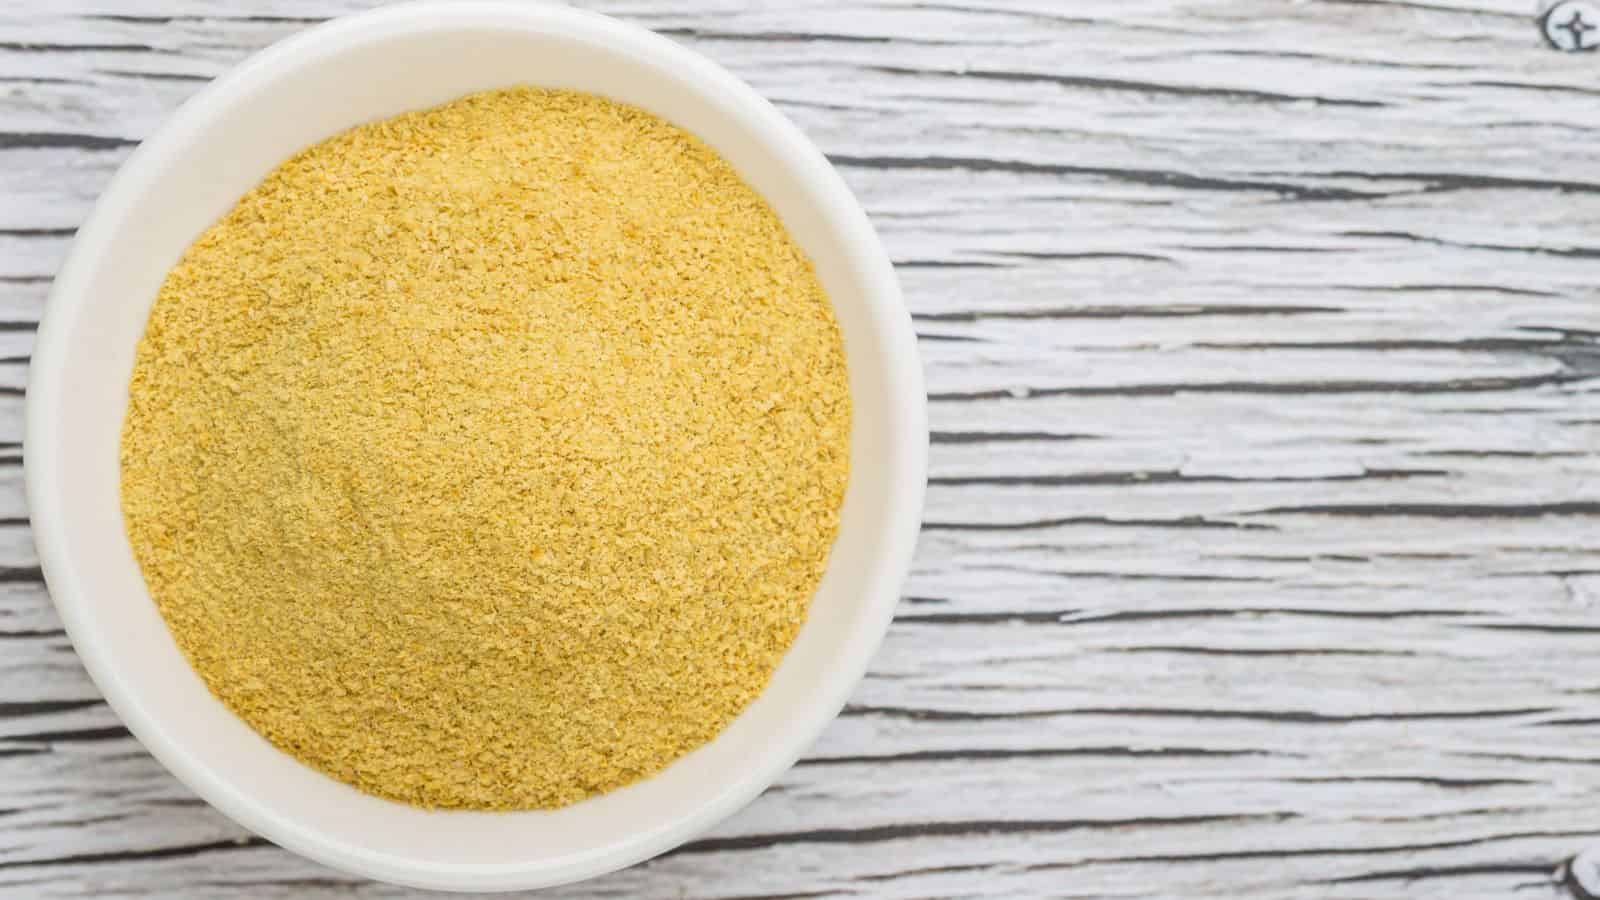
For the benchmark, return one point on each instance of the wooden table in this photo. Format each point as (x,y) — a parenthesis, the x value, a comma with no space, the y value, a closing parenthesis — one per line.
(1263,345)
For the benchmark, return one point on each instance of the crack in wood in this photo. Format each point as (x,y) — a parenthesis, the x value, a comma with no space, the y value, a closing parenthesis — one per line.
(1421,873)
(1439,182)
(39,140)
(1040,524)
(1147,177)
(1149,88)
(1432,7)
(1529,86)
(40,79)
(946,264)
(349,885)
(1412,237)
(1439,288)
(1427,780)
(38,232)
(1001,754)
(1079,617)
(69,736)
(1297,852)
(1255,248)
(1437,510)
(1502,454)
(900,832)
(1391,345)
(1173,476)
(155,76)
(136,856)
(1298,717)
(1481,384)
(15,709)
(167,20)
(1007,437)
(1128,312)
(1197,650)
(1032,15)
(924,871)
(1536,628)
(1531,757)
(20,574)
(1065,256)
(1341,59)
(1119,575)
(43,47)
(789,37)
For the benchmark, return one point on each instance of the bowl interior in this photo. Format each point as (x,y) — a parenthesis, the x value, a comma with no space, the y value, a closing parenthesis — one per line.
(215,149)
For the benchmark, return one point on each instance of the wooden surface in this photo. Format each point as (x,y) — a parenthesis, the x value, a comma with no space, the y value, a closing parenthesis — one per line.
(1263,341)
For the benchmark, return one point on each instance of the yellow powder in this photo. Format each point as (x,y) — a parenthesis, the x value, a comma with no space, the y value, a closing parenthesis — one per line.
(488,456)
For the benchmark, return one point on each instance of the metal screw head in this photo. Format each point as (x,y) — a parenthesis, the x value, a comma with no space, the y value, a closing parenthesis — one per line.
(1571,25)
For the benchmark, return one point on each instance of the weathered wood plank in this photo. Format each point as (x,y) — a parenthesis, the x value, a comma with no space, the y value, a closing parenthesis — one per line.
(1264,345)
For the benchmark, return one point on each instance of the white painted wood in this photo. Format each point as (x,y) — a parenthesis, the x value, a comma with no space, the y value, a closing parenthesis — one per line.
(1261,556)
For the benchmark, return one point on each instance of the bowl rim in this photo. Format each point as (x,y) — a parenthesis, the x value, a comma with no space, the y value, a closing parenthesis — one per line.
(65,305)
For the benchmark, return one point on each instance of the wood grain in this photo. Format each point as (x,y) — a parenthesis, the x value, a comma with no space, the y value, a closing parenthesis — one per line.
(1260,561)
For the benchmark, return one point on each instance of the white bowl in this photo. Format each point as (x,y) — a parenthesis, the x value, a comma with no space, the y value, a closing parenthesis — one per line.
(221,143)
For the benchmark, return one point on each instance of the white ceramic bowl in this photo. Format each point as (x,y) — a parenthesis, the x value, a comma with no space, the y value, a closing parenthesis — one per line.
(217,146)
